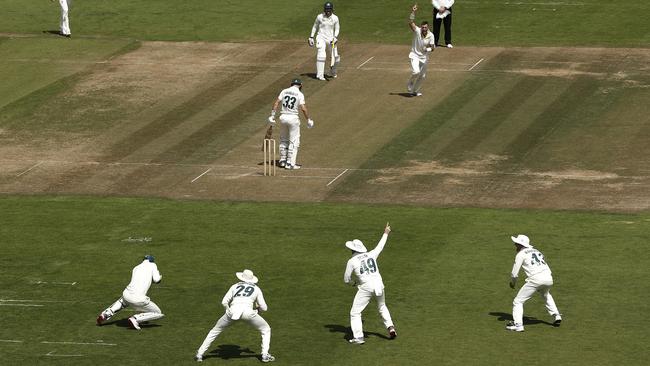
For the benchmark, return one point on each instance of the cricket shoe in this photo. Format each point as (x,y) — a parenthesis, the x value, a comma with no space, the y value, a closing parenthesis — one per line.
(392,333)
(515,327)
(282,163)
(198,358)
(450,45)
(414,94)
(558,320)
(321,78)
(292,167)
(357,341)
(101,319)
(134,323)
(267,357)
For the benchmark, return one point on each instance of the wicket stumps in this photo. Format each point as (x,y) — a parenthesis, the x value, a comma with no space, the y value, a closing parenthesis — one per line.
(269,157)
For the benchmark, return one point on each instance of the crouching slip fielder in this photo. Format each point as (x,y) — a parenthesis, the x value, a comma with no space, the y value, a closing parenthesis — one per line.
(539,279)
(291,99)
(327,26)
(423,43)
(135,295)
(365,267)
(242,301)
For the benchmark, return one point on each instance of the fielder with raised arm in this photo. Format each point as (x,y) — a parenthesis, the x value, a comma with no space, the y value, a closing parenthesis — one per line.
(242,302)
(364,266)
(291,100)
(539,279)
(135,295)
(423,43)
(327,26)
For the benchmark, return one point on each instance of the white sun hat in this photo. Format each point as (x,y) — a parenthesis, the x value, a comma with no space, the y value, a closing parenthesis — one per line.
(522,239)
(247,276)
(356,245)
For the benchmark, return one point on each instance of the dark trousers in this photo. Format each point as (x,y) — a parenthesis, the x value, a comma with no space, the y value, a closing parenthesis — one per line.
(436,27)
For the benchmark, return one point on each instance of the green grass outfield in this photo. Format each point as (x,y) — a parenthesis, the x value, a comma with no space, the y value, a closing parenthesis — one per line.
(446,272)
(485,22)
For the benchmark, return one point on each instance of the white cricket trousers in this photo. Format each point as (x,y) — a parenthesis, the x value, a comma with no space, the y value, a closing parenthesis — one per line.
(225,321)
(532,285)
(147,308)
(418,73)
(65,21)
(361,300)
(289,137)
(323,47)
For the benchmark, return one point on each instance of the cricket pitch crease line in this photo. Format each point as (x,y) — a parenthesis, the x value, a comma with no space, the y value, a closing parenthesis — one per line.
(202,174)
(52,354)
(12,300)
(476,64)
(365,62)
(33,166)
(39,282)
(337,177)
(10,341)
(81,343)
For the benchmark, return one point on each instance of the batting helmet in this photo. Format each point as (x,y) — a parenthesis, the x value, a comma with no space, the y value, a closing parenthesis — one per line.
(149,258)
(328,6)
(296,82)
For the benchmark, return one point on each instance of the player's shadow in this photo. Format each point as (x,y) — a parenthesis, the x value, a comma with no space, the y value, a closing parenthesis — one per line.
(312,75)
(124,323)
(405,95)
(528,320)
(228,351)
(55,32)
(347,332)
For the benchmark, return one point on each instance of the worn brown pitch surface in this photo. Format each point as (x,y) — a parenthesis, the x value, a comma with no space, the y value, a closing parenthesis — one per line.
(196,118)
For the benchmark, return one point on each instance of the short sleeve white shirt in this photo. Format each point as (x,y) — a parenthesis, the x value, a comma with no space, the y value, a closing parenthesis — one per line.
(291,99)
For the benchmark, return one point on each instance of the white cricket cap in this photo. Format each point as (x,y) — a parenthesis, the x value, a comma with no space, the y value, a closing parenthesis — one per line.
(247,276)
(522,239)
(356,245)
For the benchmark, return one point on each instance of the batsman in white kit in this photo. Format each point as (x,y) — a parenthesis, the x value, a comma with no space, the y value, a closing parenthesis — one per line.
(423,44)
(135,295)
(242,302)
(327,26)
(539,279)
(291,99)
(364,266)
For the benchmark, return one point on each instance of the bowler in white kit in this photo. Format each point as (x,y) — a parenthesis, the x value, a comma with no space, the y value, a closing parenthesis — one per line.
(363,265)
(539,279)
(135,295)
(327,26)
(243,301)
(423,43)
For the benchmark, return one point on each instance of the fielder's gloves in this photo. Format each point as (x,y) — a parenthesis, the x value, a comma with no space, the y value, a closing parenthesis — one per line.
(271,120)
(311,41)
(310,123)
(513,281)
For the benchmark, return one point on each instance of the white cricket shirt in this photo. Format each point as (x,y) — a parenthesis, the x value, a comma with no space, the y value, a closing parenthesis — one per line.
(243,295)
(366,269)
(141,277)
(327,27)
(533,262)
(420,44)
(291,99)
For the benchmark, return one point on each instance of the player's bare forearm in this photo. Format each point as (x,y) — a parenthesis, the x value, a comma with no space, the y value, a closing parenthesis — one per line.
(305,112)
(412,25)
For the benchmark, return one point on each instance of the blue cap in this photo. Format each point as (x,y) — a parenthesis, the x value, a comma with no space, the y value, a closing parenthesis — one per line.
(149,257)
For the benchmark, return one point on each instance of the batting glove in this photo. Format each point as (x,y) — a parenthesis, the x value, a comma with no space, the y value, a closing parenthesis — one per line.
(271,120)
(311,41)
(334,41)
(310,123)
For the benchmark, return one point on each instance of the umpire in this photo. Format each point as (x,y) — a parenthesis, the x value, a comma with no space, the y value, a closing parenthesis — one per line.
(442,14)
